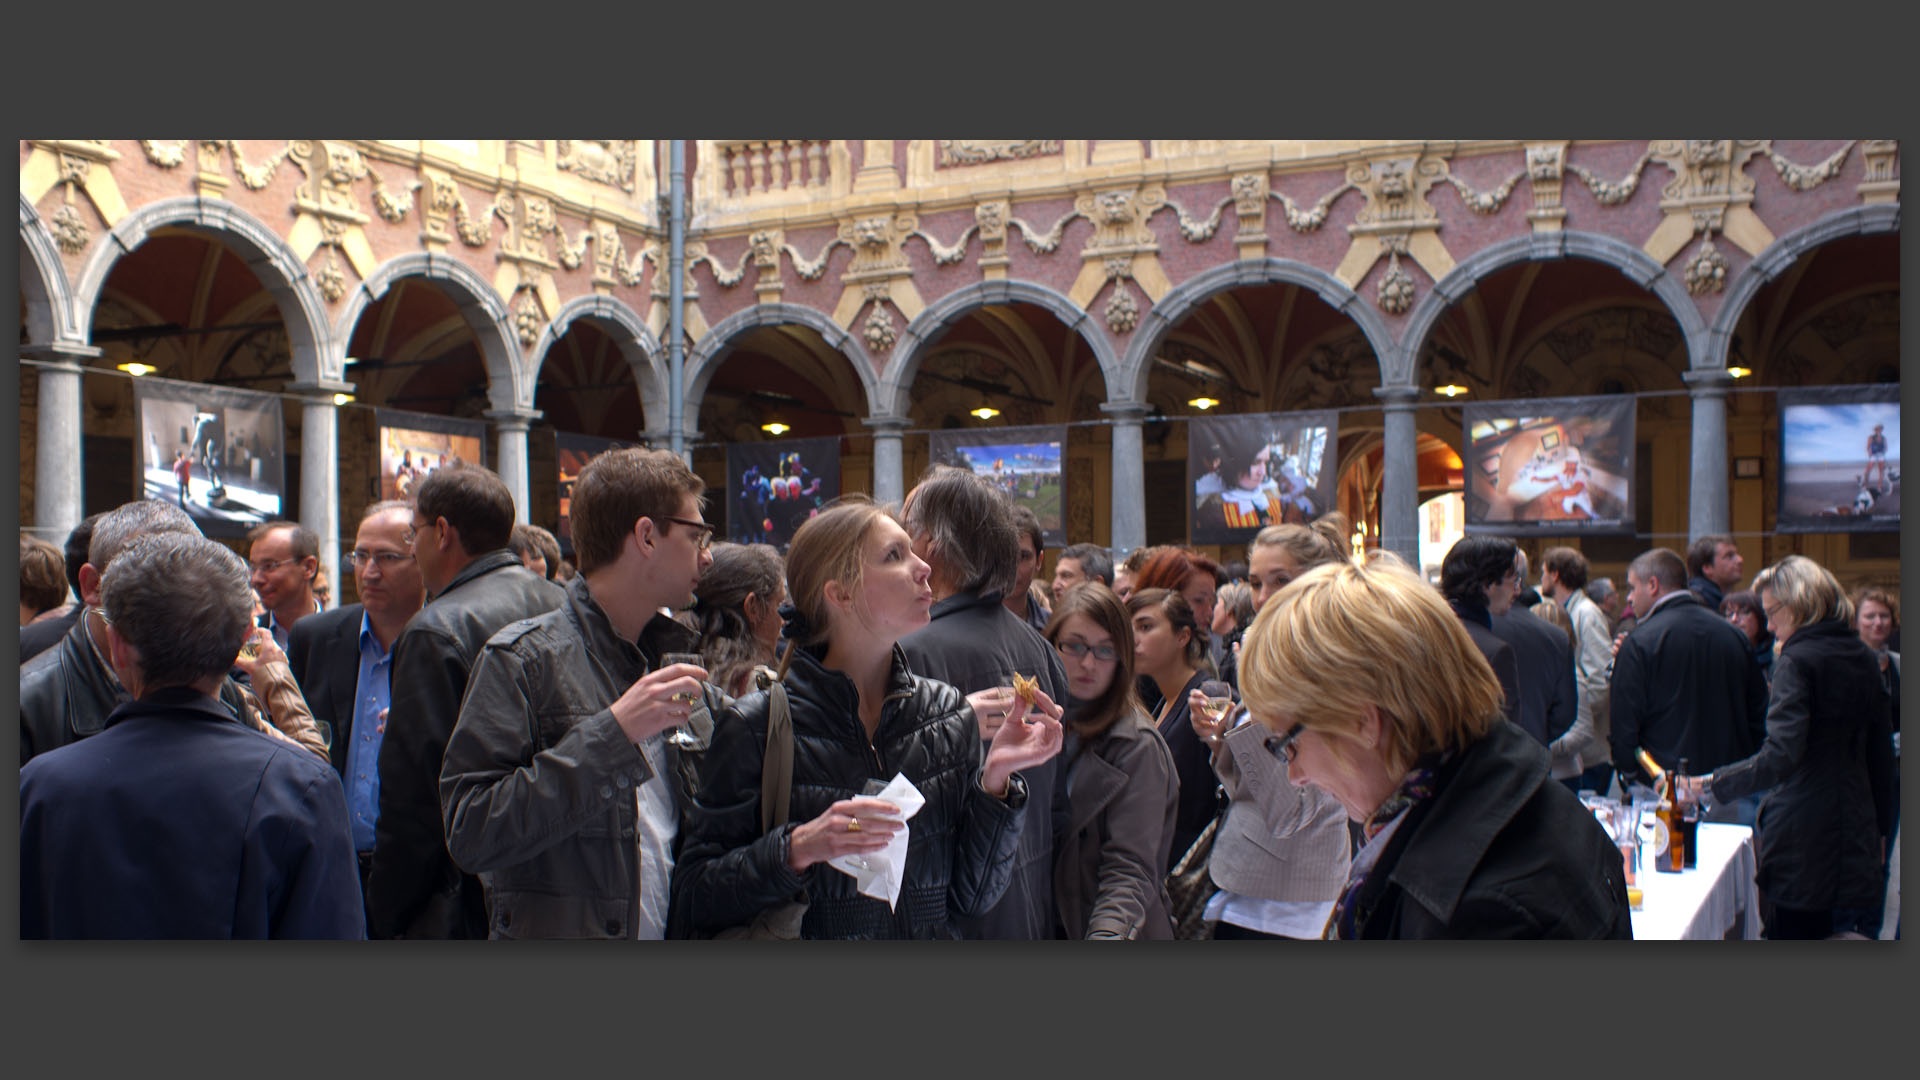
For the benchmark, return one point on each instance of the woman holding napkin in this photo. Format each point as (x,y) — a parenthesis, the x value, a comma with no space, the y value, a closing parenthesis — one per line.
(859,718)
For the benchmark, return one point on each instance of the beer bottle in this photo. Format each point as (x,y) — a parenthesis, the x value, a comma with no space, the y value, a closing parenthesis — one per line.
(1667,857)
(1689,815)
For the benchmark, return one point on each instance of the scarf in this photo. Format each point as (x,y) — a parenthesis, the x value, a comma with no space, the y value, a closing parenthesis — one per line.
(1348,918)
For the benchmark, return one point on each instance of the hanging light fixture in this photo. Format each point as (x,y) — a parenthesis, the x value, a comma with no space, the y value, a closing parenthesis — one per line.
(775,428)
(1203,403)
(985,412)
(137,369)
(1739,372)
(342,399)
(1451,390)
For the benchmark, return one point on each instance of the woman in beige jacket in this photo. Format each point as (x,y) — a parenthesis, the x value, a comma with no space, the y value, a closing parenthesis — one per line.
(1110,866)
(1281,855)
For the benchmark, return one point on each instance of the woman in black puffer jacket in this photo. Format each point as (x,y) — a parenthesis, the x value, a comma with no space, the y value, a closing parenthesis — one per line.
(858,716)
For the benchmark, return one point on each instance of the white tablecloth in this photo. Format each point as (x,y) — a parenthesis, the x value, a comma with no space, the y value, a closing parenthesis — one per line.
(1716,899)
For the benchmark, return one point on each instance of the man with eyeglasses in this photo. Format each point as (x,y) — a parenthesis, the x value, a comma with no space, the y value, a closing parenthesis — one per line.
(284,557)
(462,519)
(343,660)
(559,788)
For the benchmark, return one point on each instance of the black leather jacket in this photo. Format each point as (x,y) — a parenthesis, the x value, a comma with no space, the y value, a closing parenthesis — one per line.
(67,693)
(414,889)
(961,852)
(538,783)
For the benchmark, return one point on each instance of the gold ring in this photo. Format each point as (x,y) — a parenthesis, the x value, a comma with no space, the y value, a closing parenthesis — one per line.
(853,824)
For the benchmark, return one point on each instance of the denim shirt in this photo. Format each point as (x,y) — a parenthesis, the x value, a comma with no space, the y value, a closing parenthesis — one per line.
(372,692)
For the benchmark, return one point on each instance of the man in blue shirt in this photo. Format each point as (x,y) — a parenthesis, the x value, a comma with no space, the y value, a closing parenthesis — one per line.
(285,559)
(343,660)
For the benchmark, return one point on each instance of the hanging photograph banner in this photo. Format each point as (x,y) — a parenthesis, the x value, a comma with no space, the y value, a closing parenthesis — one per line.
(1840,459)
(414,444)
(1247,472)
(1550,466)
(773,487)
(219,453)
(571,454)
(1024,461)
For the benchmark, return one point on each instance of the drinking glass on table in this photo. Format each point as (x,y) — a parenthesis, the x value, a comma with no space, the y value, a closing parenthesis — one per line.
(678,736)
(1217,702)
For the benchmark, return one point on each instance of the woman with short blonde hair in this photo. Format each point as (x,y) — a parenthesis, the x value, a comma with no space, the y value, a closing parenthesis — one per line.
(1377,696)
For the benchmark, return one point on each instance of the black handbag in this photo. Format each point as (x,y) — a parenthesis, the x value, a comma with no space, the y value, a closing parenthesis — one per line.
(780,923)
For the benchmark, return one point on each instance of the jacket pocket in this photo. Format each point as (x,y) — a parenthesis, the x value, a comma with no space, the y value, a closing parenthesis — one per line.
(533,915)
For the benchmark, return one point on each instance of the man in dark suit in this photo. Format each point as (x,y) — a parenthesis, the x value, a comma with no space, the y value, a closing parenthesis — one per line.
(1478,578)
(1684,681)
(177,821)
(343,660)
(1543,662)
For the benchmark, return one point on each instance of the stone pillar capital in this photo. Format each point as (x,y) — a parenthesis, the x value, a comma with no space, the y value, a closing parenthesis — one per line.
(1126,412)
(62,354)
(320,391)
(1397,397)
(517,420)
(887,426)
(1707,381)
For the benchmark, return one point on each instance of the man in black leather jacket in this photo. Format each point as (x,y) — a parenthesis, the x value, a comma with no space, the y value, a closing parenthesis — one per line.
(67,692)
(965,531)
(557,788)
(462,518)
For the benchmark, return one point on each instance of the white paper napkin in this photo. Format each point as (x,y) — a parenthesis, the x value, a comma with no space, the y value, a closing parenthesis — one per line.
(879,873)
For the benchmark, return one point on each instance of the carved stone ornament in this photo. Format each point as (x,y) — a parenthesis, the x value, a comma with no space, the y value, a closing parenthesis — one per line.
(1706,168)
(878,330)
(1200,230)
(877,243)
(331,170)
(1880,155)
(1544,162)
(331,280)
(74,170)
(1808,177)
(1546,171)
(1306,221)
(69,230)
(1396,190)
(1396,288)
(1117,267)
(948,254)
(1250,202)
(392,208)
(604,161)
(1612,193)
(1119,218)
(765,246)
(1122,313)
(1484,202)
(1707,270)
(991,217)
(527,319)
(954,152)
(167,155)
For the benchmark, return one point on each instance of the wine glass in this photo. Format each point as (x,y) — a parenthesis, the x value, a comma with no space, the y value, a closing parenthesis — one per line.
(678,736)
(1219,699)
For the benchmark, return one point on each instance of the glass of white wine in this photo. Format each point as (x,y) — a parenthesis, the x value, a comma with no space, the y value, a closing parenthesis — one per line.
(679,736)
(1219,700)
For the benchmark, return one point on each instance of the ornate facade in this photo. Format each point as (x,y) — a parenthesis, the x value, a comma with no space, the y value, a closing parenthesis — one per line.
(878,289)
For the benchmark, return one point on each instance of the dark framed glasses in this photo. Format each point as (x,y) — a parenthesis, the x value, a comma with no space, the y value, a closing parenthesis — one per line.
(705,538)
(1106,654)
(1281,746)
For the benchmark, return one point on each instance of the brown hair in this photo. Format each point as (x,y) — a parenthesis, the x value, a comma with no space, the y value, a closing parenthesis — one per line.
(474,501)
(306,542)
(1098,605)
(830,546)
(1551,611)
(1568,565)
(43,574)
(1876,595)
(1703,551)
(1350,634)
(719,613)
(1308,546)
(616,490)
(1179,616)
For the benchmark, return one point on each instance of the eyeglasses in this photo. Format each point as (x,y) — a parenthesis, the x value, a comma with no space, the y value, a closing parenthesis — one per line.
(269,566)
(705,539)
(1281,746)
(1106,654)
(388,560)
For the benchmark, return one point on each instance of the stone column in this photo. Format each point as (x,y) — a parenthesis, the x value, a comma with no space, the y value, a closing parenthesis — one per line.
(58,488)
(511,426)
(1400,475)
(889,464)
(1129,476)
(320,471)
(1707,506)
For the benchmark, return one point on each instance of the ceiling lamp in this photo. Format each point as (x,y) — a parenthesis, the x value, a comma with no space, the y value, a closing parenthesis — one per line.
(1739,372)
(137,369)
(1203,403)
(342,399)
(1450,390)
(985,412)
(775,428)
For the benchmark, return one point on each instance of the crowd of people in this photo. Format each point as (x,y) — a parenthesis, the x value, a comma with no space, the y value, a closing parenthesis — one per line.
(899,730)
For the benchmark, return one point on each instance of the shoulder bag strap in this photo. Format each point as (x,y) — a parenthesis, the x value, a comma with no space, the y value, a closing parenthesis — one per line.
(776,769)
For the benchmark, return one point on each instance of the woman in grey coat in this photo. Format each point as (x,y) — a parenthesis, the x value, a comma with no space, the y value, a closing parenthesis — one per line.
(1110,867)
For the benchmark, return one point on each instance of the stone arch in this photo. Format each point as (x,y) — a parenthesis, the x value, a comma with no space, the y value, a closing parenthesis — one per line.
(50,311)
(629,331)
(1781,254)
(1636,264)
(509,387)
(942,314)
(711,350)
(316,358)
(1187,297)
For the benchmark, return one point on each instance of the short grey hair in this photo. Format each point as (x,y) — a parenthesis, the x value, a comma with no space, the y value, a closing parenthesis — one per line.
(183,602)
(970,526)
(1599,589)
(141,517)
(1660,565)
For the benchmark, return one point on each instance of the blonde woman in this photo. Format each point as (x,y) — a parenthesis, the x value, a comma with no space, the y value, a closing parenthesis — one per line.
(1375,695)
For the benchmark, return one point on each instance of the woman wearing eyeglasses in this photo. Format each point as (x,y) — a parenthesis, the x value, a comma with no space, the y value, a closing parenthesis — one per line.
(1380,699)
(1281,853)
(1110,866)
